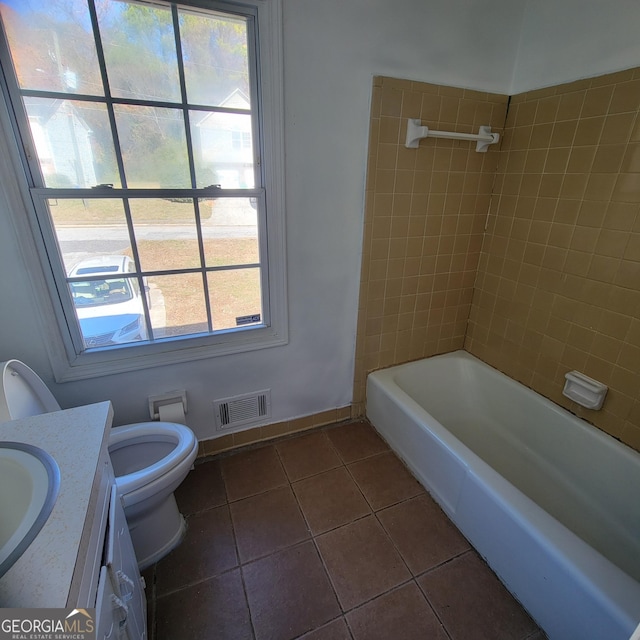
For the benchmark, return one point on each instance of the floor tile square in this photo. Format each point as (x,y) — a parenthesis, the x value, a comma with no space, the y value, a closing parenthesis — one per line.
(384,480)
(422,533)
(330,500)
(289,593)
(267,522)
(251,472)
(307,455)
(216,608)
(356,440)
(402,613)
(203,488)
(362,562)
(208,549)
(473,603)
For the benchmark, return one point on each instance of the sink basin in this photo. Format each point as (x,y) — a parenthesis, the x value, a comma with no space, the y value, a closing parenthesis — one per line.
(29,484)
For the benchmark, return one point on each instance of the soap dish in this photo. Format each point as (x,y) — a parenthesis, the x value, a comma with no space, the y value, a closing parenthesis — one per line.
(584,390)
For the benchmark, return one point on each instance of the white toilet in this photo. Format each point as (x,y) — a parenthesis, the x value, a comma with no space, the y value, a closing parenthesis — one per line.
(150,460)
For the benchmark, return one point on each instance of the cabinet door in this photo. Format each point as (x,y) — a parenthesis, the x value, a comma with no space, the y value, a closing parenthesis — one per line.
(122,565)
(111,611)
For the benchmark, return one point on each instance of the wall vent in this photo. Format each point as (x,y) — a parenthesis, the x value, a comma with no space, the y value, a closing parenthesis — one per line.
(242,410)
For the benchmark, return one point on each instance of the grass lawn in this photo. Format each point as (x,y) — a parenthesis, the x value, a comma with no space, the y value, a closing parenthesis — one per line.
(231,293)
(105,211)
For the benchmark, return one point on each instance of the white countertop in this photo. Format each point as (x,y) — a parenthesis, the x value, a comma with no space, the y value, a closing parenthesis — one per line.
(76,438)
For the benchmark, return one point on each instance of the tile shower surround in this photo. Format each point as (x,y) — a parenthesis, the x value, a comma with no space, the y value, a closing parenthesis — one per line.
(324,535)
(558,284)
(553,283)
(425,214)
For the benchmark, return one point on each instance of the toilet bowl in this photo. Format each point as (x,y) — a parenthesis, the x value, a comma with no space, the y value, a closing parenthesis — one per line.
(150,460)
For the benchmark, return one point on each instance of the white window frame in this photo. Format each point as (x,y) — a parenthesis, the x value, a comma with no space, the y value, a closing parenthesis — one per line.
(66,362)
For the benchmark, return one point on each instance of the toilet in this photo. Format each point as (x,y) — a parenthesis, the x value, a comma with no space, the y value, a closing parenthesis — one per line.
(150,460)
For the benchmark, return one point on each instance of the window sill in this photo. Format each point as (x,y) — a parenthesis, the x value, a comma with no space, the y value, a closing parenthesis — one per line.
(145,356)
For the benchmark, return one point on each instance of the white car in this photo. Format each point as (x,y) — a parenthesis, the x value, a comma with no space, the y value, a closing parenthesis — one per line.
(110,310)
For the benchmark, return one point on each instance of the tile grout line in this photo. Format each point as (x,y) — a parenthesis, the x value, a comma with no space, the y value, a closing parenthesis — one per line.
(151,617)
(317,548)
(300,543)
(238,560)
(195,583)
(414,578)
(374,513)
(315,536)
(324,625)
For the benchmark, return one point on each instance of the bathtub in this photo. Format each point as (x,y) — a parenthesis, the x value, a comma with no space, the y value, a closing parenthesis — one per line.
(550,502)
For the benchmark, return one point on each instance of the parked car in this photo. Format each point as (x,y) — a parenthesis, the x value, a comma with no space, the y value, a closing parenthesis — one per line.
(110,310)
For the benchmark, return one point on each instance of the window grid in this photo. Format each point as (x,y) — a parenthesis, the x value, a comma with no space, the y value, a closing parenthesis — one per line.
(41,193)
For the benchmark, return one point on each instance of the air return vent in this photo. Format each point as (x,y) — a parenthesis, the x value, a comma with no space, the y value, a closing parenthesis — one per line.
(242,410)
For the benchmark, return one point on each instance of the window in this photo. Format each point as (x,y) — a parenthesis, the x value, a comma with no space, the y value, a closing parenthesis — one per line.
(241,139)
(151,141)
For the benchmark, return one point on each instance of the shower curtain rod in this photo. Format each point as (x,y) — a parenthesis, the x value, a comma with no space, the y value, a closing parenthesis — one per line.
(415,132)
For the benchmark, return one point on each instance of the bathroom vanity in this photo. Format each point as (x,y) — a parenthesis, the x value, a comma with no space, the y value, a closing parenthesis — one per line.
(83,556)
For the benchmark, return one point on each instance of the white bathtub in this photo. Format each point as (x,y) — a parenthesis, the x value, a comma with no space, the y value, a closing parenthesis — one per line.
(552,503)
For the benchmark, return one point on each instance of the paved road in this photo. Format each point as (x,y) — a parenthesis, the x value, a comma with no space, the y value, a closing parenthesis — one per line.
(77,243)
(153,232)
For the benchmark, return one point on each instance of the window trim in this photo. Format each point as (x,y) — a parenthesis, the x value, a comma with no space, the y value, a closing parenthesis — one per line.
(67,365)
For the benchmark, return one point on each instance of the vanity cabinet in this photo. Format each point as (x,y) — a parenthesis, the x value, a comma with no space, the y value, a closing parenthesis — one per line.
(110,613)
(121,608)
(83,557)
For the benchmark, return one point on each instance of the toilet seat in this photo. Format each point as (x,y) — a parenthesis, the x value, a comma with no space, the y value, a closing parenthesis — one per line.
(176,434)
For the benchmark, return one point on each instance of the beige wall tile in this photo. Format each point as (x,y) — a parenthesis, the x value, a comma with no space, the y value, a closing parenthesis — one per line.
(427,211)
(553,283)
(587,282)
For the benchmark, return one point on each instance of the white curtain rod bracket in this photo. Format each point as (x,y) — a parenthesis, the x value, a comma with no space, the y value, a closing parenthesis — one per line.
(415,133)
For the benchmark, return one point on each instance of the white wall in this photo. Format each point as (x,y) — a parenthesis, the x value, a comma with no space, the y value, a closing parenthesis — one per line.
(565,40)
(332,50)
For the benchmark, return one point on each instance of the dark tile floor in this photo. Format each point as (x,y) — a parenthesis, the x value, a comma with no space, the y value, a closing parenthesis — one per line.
(323,536)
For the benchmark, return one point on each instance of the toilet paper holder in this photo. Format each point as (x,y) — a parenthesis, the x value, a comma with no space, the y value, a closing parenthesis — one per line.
(170,397)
